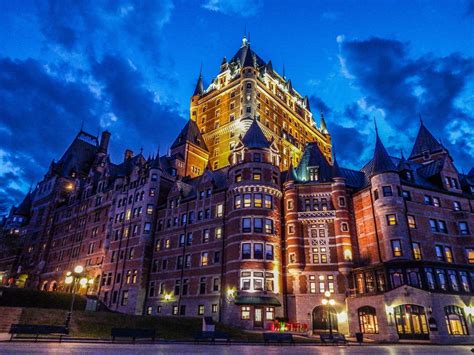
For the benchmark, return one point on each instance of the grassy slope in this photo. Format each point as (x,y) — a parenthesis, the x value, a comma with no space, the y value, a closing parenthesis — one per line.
(99,324)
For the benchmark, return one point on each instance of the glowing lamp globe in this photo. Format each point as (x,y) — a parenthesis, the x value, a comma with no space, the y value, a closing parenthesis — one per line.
(79,269)
(69,280)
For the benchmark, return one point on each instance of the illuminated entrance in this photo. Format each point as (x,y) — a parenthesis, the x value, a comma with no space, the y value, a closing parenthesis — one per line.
(411,322)
(321,316)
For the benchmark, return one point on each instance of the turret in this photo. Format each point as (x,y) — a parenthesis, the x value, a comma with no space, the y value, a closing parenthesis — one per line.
(104,142)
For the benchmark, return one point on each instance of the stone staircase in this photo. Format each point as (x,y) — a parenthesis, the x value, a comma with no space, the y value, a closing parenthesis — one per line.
(8,316)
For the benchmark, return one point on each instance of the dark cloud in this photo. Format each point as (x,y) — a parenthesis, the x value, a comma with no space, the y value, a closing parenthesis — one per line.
(402,86)
(140,117)
(470,8)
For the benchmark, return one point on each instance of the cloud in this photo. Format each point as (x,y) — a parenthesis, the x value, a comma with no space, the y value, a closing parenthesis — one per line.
(244,8)
(470,8)
(397,86)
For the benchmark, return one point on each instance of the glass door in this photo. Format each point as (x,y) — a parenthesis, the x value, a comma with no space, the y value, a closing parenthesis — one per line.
(411,322)
(258,319)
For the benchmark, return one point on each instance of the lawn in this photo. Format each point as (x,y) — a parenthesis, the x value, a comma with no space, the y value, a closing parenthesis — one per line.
(99,324)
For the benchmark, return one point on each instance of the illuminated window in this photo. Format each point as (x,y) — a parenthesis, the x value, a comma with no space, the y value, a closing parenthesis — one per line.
(268,226)
(368,320)
(257,176)
(269,313)
(218,233)
(268,201)
(416,250)
(470,255)
(456,206)
(436,202)
(247,200)
(396,247)
(439,252)
(257,202)
(245,312)
(219,210)
(455,320)
(313,174)
(200,310)
(204,258)
(391,219)
(448,254)
(205,235)
(411,221)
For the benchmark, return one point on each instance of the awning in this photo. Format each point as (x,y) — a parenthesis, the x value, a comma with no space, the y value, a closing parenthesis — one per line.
(257,300)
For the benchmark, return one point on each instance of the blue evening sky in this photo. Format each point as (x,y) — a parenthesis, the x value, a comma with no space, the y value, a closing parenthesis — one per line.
(131,66)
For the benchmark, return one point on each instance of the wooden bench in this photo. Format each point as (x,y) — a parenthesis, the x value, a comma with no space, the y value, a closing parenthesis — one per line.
(212,336)
(134,333)
(35,329)
(279,338)
(333,338)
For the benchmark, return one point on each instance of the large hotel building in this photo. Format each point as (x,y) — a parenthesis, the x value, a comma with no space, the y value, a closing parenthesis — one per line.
(249,218)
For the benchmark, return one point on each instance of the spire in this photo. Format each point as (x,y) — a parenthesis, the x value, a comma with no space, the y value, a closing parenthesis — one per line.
(425,142)
(283,72)
(324,128)
(156,163)
(199,90)
(336,170)
(381,162)
(306,103)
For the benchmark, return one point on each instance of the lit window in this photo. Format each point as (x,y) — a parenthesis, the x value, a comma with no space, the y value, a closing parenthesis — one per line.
(439,253)
(218,233)
(257,202)
(219,210)
(269,313)
(368,320)
(313,174)
(416,250)
(268,201)
(257,176)
(396,247)
(448,254)
(204,258)
(436,202)
(456,206)
(200,310)
(268,226)
(391,219)
(245,313)
(470,255)
(411,221)
(247,200)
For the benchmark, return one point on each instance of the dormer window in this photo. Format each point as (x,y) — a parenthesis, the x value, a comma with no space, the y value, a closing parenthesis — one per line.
(313,174)
(408,175)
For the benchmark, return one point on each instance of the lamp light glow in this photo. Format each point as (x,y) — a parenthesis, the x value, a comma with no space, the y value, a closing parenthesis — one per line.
(79,269)
(83,281)
(324,301)
(69,279)
(327,294)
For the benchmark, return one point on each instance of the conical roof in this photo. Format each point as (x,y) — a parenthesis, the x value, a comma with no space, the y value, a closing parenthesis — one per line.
(199,90)
(425,142)
(381,161)
(254,137)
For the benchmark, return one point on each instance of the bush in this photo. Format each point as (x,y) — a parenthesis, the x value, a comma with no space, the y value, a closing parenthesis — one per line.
(22,297)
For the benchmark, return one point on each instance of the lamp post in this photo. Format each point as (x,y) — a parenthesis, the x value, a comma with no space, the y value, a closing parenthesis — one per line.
(74,278)
(328,301)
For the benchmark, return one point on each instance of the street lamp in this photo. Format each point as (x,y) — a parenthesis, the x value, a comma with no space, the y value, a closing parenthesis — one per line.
(74,278)
(328,301)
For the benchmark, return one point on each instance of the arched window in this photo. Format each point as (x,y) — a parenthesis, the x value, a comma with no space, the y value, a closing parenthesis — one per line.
(368,320)
(455,320)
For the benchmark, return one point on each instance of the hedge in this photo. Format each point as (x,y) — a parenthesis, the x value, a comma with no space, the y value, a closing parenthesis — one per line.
(22,297)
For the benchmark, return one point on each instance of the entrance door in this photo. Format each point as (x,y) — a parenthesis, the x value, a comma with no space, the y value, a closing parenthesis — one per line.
(258,319)
(411,322)
(324,318)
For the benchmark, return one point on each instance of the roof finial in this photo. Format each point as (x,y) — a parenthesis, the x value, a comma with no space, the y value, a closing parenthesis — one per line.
(421,119)
(248,38)
(401,154)
(82,126)
(283,71)
(244,38)
(200,70)
(376,128)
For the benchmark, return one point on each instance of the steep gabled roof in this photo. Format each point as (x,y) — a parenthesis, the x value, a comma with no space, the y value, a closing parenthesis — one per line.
(425,142)
(245,56)
(381,161)
(254,137)
(190,133)
(80,155)
(25,206)
(313,157)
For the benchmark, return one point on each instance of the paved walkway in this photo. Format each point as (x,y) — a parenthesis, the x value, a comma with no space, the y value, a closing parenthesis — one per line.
(108,348)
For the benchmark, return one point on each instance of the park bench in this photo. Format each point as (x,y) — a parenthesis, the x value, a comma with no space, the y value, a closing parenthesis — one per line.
(36,329)
(279,338)
(333,338)
(212,336)
(133,333)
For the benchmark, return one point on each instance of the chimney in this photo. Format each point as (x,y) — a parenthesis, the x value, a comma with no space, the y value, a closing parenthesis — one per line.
(104,142)
(128,154)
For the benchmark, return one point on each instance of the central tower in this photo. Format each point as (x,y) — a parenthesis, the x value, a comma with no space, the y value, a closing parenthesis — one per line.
(247,88)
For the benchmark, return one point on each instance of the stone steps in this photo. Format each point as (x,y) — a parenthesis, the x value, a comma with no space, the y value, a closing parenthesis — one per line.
(9,316)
